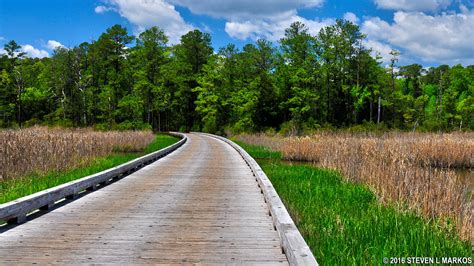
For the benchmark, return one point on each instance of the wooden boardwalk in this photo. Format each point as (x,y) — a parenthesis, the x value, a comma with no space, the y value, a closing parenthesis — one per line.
(200,204)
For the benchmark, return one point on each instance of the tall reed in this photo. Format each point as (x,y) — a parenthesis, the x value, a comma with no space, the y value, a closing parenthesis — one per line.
(40,149)
(412,169)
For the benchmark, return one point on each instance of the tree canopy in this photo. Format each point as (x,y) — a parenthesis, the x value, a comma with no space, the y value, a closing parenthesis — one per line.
(302,82)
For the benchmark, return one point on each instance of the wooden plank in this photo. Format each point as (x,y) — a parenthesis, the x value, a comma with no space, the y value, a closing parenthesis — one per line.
(293,243)
(17,210)
(200,204)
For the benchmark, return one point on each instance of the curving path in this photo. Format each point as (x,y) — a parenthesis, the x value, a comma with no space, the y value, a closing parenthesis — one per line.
(200,204)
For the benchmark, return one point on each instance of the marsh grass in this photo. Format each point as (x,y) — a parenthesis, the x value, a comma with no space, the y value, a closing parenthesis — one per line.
(345,224)
(413,171)
(14,188)
(41,149)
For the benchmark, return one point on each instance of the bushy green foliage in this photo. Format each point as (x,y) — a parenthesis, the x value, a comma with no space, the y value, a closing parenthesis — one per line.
(297,85)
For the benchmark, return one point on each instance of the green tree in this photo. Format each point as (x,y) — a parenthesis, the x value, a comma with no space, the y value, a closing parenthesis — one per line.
(14,54)
(190,56)
(340,48)
(298,68)
(150,55)
(14,84)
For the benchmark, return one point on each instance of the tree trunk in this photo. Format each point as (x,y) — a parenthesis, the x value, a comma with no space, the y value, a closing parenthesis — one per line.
(439,99)
(159,121)
(328,98)
(20,87)
(84,112)
(62,103)
(19,109)
(371,110)
(378,110)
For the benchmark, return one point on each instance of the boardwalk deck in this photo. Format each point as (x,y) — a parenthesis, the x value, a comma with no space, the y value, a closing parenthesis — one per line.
(200,204)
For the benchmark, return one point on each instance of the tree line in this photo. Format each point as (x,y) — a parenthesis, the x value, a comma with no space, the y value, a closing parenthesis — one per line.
(302,82)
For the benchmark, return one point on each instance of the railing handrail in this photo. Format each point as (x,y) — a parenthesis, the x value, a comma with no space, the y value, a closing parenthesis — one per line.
(16,211)
(295,247)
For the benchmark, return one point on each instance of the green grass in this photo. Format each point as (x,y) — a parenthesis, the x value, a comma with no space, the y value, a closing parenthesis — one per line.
(259,152)
(17,188)
(344,224)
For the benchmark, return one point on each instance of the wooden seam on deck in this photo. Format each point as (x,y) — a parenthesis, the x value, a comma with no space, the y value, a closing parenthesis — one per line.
(16,211)
(293,243)
(200,204)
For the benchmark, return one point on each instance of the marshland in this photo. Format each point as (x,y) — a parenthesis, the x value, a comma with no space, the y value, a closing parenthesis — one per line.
(420,172)
(38,158)
(40,149)
(371,153)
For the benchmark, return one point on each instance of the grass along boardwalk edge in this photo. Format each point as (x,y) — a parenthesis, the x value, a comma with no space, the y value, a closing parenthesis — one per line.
(343,223)
(293,244)
(16,210)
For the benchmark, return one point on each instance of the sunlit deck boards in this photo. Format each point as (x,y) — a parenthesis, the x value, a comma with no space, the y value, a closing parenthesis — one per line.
(200,204)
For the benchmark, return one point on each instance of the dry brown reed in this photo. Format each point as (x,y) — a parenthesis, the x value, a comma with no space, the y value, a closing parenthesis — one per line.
(412,169)
(262,139)
(41,149)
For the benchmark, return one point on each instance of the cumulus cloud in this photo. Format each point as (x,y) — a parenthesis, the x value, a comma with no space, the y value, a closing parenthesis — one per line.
(34,52)
(245,9)
(250,19)
(52,44)
(244,19)
(148,13)
(272,29)
(351,17)
(412,5)
(445,38)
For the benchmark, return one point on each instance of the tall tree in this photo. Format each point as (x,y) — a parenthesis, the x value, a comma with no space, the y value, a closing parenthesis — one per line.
(17,73)
(393,75)
(340,44)
(299,67)
(150,56)
(191,54)
(301,83)
(110,73)
(14,54)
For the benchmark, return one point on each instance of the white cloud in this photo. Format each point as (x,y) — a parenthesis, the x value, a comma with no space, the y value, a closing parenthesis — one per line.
(103,9)
(413,5)
(272,29)
(148,13)
(2,38)
(245,9)
(244,18)
(52,44)
(351,17)
(445,38)
(379,49)
(250,19)
(34,52)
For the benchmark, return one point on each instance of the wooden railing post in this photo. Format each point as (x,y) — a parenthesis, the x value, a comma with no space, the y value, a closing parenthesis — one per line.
(16,211)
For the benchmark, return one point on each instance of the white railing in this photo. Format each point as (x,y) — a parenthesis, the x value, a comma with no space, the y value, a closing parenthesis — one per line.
(16,211)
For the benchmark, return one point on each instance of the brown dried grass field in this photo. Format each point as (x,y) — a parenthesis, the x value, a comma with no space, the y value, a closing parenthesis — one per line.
(414,170)
(41,149)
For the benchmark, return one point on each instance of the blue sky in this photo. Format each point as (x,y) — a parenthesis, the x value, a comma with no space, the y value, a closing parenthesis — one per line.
(430,32)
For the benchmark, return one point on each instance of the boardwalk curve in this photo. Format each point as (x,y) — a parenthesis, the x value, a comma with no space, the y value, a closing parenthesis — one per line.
(199,204)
